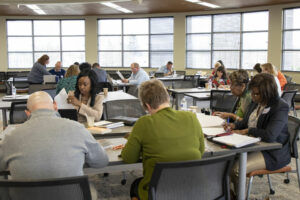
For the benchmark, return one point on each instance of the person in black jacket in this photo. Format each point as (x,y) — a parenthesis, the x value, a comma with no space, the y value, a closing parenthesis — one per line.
(267,118)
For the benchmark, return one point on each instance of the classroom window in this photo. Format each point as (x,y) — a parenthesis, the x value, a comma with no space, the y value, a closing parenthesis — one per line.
(291,40)
(238,39)
(62,40)
(147,41)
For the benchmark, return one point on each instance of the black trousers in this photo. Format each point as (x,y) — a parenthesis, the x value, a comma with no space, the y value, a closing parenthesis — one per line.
(134,189)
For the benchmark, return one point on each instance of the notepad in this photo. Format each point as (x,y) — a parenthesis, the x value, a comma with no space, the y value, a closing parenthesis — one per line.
(113,144)
(207,121)
(236,140)
(120,75)
(109,124)
(213,131)
(99,130)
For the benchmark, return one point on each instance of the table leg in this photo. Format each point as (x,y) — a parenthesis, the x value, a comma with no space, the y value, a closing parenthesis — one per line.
(194,102)
(242,175)
(4,118)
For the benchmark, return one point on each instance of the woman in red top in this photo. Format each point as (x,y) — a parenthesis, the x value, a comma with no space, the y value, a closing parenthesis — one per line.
(220,78)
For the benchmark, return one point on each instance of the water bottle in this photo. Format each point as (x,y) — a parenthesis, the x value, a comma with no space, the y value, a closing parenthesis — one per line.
(13,91)
(183,104)
(174,73)
(209,84)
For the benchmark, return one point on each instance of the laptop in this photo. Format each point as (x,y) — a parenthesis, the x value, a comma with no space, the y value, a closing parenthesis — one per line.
(69,114)
(49,79)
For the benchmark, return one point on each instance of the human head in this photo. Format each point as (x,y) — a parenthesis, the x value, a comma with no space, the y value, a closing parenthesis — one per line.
(269,68)
(73,70)
(218,64)
(257,68)
(39,100)
(44,60)
(169,65)
(152,94)
(96,65)
(263,88)
(76,63)
(58,66)
(239,80)
(221,72)
(135,67)
(85,66)
(86,85)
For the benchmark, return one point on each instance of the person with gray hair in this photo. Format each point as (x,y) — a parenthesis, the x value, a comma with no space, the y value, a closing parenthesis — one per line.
(47,146)
(138,75)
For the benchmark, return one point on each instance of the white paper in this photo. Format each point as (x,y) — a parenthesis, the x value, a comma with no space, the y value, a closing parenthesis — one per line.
(207,121)
(9,97)
(120,75)
(61,100)
(213,131)
(236,140)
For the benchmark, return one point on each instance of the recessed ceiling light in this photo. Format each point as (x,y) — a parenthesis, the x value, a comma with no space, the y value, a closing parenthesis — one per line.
(203,3)
(117,7)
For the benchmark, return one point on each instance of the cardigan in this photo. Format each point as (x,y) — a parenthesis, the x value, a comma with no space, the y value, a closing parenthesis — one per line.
(165,136)
(271,127)
(36,75)
(68,83)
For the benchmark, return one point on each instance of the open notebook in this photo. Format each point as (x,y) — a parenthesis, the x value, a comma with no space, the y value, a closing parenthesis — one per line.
(213,131)
(236,140)
(209,121)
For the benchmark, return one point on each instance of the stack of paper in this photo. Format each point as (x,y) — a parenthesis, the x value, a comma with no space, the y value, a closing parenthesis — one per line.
(236,140)
(120,75)
(99,130)
(207,121)
(108,124)
(213,131)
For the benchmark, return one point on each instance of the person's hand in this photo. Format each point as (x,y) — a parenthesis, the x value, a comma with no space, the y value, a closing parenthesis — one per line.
(241,132)
(74,101)
(223,115)
(228,126)
(125,81)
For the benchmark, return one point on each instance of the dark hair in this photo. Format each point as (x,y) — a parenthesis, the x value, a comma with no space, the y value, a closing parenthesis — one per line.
(257,68)
(221,69)
(170,63)
(42,60)
(239,77)
(267,87)
(95,65)
(221,62)
(94,80)
(85,66)
(76,63)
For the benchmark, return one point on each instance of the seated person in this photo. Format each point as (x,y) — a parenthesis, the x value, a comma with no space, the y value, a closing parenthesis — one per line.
(218,64)
(138,75)
(69,82)
(270,69)
(51,147)
(85,66)
(267,118)
(179,133)
(58,71)
(219,80)
(39,69)
(239,87)
(257,68)
(101,74)
(85,100)
(166,69)
(282,79)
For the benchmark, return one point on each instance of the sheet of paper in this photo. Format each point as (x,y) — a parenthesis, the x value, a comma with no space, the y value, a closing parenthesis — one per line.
(213,131)
(236,140)
(207,121)
(61,100)
(120,75)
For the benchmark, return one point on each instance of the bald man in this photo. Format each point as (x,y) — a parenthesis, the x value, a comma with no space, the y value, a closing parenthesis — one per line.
(138,75)
(58,71)
(47,146)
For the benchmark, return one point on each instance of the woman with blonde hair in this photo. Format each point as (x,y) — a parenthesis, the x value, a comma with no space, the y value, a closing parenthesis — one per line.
(270,69)
(69,82)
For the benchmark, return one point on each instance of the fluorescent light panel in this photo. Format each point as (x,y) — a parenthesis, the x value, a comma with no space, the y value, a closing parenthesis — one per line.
(117,7)
(203,3)
(36,9)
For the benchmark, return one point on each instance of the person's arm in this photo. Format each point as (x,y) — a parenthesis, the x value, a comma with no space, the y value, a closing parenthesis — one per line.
(131,151)
(43,70)
(200,132)
(95,111)
(282,80)
(96,156)
(274,127)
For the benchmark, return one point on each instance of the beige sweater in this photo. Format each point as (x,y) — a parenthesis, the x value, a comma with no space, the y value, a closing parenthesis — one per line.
(95,111)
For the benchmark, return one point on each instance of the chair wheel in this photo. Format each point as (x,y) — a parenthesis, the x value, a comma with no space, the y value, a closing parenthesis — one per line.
(286,181)
(123,182)
(105,174)
(272,191)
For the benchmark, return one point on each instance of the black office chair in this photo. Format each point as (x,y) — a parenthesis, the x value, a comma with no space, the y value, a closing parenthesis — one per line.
(158,74)
(288,78)
(75,188)
(51,92)
(126,73)
(293,86)
(293,128)
(113,74)
(101,85)
(178,84)
(17,113)
(289,96)
(192,179)
(223,101)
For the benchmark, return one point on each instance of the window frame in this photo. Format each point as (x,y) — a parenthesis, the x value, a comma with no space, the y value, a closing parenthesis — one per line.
(33,36)
(212,32)
(122,35)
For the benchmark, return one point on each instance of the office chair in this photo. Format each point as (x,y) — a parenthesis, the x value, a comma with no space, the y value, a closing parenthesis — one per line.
(289,96)
(17,113)
(223,101)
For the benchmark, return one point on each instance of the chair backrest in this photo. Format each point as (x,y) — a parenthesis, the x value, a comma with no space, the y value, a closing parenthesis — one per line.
(133,90)
(101,85)
(3,76)
(51,92)
(11,74)
(126,108)
(289,96)
(22,74)
(294,128)
(75,188)
(158,74)
(113,75)
(291,86)
(181,72)
(222,100)
(17,113)
(199,179)
(20,82)
(178,84)
(288,78)
(126,73)
(39,87)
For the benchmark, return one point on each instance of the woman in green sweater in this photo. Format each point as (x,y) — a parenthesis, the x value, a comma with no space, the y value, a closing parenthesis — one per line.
(166,135)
